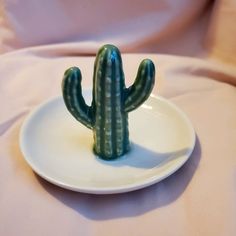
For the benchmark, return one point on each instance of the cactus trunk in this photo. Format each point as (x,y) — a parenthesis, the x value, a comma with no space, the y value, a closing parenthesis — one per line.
(111,122)
(108,113)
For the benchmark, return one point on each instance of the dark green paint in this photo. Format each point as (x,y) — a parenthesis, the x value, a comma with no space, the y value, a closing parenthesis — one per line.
(108,114)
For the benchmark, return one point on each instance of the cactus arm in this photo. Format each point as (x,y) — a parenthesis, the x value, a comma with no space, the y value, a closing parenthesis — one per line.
(73,98)
(137,93)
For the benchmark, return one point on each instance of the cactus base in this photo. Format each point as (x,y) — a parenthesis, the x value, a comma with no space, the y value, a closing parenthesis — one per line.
(112,157)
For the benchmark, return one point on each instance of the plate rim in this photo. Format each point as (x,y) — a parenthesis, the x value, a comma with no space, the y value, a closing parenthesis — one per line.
(104,190)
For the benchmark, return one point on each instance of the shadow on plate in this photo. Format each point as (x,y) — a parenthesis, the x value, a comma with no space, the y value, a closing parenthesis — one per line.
(104,207)
(144,158)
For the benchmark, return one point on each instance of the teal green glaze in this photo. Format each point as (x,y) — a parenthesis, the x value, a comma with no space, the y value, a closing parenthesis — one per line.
(108,114)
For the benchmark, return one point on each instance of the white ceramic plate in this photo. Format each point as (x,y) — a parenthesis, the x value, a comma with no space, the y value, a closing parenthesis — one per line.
(59,149)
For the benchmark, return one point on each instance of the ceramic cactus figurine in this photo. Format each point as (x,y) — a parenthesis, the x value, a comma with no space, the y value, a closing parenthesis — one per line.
(108,114)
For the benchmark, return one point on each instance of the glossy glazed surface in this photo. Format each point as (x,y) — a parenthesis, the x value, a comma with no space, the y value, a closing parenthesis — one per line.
(108,114)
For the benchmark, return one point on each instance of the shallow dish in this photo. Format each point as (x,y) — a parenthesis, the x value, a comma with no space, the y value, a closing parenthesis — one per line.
(59,149)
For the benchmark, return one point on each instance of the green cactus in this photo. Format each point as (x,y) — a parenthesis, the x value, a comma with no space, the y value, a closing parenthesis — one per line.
(108,114)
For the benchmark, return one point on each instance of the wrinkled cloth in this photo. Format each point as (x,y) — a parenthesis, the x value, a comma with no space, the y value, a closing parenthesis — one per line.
(199,199)
(133,26)
(39,40)
(201,28)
